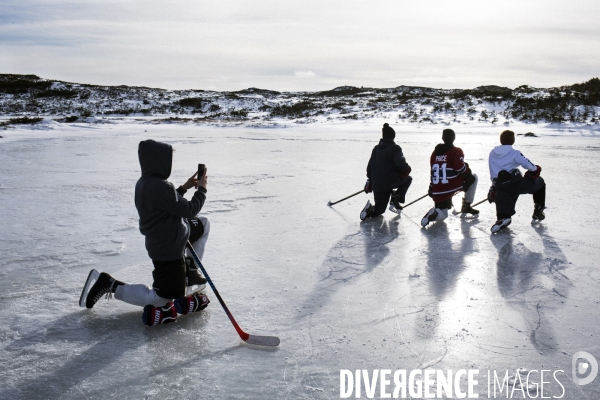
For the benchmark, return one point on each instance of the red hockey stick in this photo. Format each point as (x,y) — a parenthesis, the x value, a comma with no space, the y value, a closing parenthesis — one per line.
(251,339)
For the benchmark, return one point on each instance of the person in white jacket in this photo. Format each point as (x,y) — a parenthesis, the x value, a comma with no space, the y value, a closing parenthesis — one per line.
(508,182)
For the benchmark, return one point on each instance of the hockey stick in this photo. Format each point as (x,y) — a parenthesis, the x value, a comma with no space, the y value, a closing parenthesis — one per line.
(413,202)
(476,204)
(251,339)
(345,198)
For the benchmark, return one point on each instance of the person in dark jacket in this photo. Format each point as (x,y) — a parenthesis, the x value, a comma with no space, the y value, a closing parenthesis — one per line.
(168,221)
(387,170)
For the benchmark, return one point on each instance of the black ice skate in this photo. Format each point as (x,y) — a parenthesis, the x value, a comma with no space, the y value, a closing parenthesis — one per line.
(538,213)
(194,303)
(367,211)
(467,209)
(501,224)
(97,285)
(195,282)
(153,316)
(430,216)
(395,206)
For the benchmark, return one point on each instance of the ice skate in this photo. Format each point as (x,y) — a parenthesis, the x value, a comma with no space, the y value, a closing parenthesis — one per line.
(500,224)
(153,316)
(194,303)
(538,214)
(97,285)
(395,206)
(367,211)
(195,281)
(430,216)
(467,209)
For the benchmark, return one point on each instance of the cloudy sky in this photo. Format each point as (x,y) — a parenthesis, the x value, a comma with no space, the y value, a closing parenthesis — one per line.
(302,45)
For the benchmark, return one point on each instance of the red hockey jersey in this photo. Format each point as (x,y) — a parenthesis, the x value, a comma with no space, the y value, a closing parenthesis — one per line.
(447,166)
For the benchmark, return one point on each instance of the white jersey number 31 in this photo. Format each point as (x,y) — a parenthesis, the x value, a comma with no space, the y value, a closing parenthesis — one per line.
(435,173)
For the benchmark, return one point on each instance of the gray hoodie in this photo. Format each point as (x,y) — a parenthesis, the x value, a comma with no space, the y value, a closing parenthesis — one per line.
(506,158)
(162,209)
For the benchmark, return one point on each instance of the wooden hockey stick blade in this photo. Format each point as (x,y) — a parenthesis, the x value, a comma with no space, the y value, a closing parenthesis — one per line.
(271,341)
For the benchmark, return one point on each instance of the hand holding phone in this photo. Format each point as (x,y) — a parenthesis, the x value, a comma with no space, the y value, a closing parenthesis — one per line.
(202,178)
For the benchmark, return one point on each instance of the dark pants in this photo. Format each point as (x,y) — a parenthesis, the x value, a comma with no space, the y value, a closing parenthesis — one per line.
(508,194)
(382,198)
(169,276)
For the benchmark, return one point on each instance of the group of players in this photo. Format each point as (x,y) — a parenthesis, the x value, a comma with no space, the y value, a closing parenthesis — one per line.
(169,221)
(388,178)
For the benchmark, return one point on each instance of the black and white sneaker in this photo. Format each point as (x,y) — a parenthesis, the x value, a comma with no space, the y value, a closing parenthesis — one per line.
(500,224)
(395,206)
(98,284)
(367,211)
(538,213)
(430,216)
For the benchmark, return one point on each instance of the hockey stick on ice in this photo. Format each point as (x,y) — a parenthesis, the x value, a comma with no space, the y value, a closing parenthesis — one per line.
(412,202)
(251,339)
(476,204)
(329,203)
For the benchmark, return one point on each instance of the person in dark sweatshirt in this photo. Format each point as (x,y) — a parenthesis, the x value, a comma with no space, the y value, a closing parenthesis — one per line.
(387,170)
(168,221)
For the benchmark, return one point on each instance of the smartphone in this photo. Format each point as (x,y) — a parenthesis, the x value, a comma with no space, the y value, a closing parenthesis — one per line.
(201,169)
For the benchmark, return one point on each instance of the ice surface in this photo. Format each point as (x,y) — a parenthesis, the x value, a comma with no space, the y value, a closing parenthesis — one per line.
(340,294)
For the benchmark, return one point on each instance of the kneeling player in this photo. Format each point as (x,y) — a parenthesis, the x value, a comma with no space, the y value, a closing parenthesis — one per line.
(508,183)
(168,221)
(449,174)
(387,170)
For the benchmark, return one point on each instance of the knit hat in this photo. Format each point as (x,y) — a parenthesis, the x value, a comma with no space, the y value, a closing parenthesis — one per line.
(387,132)
(507,137)
(448,136)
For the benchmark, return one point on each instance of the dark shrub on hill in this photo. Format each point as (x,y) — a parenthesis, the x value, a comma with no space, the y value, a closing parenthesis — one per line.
(239,113)
(295,110)
(17,84)
(590,91)
(342,91)
(23,121)
(57,93)
(194,102)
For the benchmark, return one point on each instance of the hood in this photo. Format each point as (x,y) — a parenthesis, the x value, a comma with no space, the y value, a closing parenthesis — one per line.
(156,158)
(383,143)
(442,148)
(502,150)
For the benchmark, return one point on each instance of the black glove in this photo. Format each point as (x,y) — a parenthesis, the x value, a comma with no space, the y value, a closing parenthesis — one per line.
(491,197)
(430,191)
(406,173)
(368,186)
(533,175)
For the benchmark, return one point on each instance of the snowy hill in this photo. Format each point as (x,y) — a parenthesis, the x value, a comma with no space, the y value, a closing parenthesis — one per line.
(29,95)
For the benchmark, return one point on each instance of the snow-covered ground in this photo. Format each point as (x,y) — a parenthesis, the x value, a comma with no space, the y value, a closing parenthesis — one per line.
(341,294)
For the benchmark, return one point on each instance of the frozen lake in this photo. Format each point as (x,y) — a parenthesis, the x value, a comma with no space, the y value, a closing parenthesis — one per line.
(341,294)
